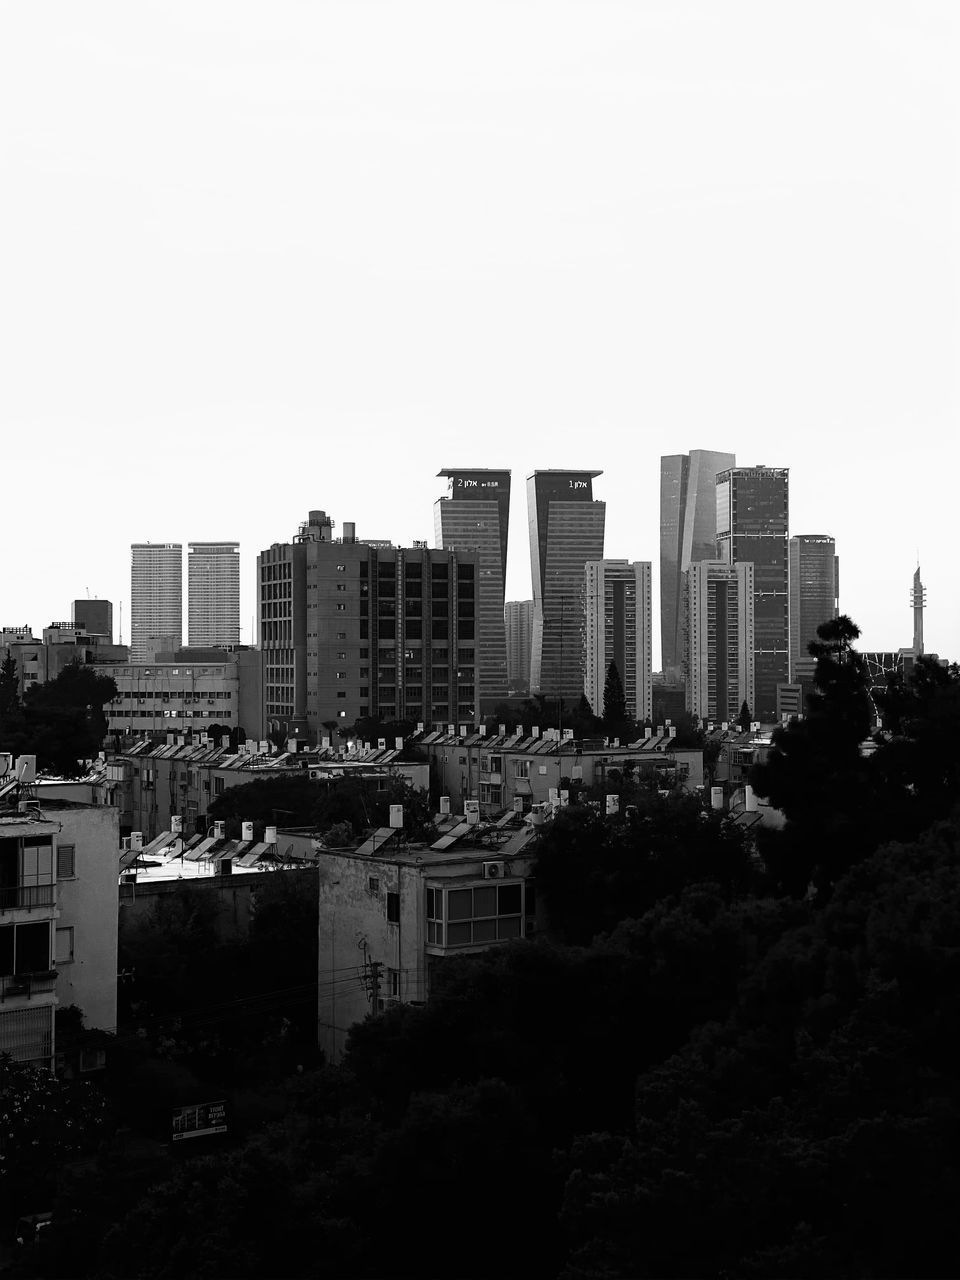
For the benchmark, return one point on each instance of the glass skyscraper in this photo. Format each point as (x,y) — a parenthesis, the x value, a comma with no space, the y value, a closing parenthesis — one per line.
(688,533)
(814,592)
(476,517)
(752,520)
(566,530)
(213,594)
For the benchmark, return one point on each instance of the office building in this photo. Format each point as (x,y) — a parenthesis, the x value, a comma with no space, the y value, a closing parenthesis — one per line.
(94,618)
(518,621)
(156,599)
(720,639)
(475,517)
(566,530)
(350,629)
(752,524)
(61,645)
(814,569)
(618,628)
(688,533)
(213,594)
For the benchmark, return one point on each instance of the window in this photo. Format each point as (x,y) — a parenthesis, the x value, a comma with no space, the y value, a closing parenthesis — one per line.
(521,768)
(489,913)
(341,635)
(65,945)
(341,568)
(341,586)
(393,908)
(341,715)
(341,653)
(341,608)
(66,861)
(491,794)
(373,884)
(218,786)
(341,675)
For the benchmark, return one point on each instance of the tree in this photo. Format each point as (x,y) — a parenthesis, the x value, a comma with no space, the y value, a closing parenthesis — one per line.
(614,699)
(9,690)
(62,722)
(745,718)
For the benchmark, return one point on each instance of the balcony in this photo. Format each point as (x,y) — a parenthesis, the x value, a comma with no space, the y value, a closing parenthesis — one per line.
(27,985)
(28,897)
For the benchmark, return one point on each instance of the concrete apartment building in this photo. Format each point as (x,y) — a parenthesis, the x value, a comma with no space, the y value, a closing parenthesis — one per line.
(156,599)
(213,594)
(566,530)
(721,640)
(58,918)
(518,622)
(152,783)
(618,627)
(513,771)
(407,909)
(352,628)
(688,533)
(476,517)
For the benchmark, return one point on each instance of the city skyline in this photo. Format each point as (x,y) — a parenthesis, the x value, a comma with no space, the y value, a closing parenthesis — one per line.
(771,270)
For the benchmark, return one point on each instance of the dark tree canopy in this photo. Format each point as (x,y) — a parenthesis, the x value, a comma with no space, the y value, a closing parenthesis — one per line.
(61,722)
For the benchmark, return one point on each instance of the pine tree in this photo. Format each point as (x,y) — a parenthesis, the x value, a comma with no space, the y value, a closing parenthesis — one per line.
(745,718)
(614,699)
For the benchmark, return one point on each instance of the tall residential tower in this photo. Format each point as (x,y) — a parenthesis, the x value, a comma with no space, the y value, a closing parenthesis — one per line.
(720,641)
(475,517)
(518,620)
(566,530)
(688,533)
(213,594)
(156,599)
(617,628)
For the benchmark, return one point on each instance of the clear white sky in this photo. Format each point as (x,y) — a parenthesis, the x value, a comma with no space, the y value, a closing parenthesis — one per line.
(258,258)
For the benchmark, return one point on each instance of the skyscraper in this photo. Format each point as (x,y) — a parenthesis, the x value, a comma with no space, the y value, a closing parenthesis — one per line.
(213,594)
(618,628)
(719,667)
(688,532)
(566,530)
(475,517)
(156,599)
(518,620)
(813,596)
(752,522)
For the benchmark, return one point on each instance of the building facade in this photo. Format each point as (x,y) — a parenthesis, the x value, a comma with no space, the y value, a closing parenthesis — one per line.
(154,699)
(688,533)
(814,596)
(42,658)
(476,517)
(752,528)
(721,641)
(156,599)
(518,622)
(94,618)
(213,593)
(350,629)
(58,921)
(566,530)
(618,628)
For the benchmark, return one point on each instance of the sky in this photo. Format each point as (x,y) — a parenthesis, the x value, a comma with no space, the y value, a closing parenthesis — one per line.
(257,259)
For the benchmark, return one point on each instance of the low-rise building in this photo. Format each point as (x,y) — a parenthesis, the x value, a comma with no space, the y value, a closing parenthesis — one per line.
(509,770)
(42,658)
(152,783)
(58,919)
(389,915)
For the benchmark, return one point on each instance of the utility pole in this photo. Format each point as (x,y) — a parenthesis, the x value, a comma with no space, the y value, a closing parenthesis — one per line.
(375,967)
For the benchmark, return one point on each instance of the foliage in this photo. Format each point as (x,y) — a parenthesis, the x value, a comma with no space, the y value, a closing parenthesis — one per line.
(548,713)
(843,795)
(813,1129)
(61,722)
(43,1121)
(616,724)
(593,871)
(745,718)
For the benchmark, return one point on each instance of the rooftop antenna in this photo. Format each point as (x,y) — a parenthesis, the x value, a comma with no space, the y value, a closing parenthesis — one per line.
(120,637)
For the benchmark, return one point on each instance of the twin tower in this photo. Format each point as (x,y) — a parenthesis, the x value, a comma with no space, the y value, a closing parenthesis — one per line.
(566,531)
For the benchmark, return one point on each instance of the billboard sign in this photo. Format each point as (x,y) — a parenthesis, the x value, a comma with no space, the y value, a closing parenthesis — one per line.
(199,1120)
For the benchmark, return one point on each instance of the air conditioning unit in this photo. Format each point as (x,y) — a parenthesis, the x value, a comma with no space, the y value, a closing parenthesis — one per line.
(493,870)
